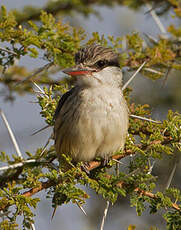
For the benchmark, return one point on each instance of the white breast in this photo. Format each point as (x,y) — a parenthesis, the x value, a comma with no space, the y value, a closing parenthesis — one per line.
(93,122)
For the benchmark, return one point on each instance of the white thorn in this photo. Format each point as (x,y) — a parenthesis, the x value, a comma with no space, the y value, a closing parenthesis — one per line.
(81,208)
(156,19)
(153,71)
(17,165)
(131,78)
(171,175)
(105,215)
(33,226)
(144,119)
(151,168)
(119,162)
(41,90)
(13,139)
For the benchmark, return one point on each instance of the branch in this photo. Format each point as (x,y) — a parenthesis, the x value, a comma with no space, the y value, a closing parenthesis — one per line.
(39,81)
(93,165)
(8,51)
(96,164)
(39,70)
(66,7)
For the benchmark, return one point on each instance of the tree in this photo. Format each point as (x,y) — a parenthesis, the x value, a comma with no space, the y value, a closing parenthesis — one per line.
(35,33)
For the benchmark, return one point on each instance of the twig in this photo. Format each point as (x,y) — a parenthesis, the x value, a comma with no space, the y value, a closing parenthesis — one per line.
(156,19)
(153,196)
(137,71)
(95,164)
(13,139)
(17,165)
(144,119)
(105,215)
(8,51)
(18,80)
(3,214)
(39,70)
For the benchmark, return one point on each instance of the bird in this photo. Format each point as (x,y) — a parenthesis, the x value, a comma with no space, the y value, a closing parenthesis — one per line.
(91,119)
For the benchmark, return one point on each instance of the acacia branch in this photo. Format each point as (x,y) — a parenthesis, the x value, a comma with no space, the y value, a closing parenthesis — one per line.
(8,51)
(19,80)
(55,7)
(96,164)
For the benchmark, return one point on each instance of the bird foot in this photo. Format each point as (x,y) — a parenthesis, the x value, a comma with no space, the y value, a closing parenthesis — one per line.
(105,161)
(85,167)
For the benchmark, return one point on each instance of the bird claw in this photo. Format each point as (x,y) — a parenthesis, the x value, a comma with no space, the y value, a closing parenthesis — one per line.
(85,166)
(105,161)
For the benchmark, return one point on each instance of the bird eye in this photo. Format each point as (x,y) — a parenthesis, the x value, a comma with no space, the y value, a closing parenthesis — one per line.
(101,63)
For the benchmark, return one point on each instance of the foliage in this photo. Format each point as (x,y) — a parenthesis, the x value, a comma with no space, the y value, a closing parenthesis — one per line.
(57,43)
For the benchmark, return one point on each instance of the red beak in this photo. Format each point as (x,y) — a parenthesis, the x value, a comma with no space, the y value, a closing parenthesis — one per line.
(74,71)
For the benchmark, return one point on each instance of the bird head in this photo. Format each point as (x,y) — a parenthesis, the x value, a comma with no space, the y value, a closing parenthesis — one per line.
(96,65)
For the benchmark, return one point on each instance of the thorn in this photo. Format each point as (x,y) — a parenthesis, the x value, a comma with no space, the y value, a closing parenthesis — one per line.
(166,77)
(151,38)
(156,19)
(11,134)
(17,165)
(81,208)
(153,71)
(33,226)
(119,162)
(151,168)
(53,214)
(38,131)
(44,148)
(144,119)
(171,174)
(40,89)
(39,70)
(105,215)
(131,78)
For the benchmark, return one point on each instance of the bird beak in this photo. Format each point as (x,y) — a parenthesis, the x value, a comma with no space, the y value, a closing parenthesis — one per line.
(77,71)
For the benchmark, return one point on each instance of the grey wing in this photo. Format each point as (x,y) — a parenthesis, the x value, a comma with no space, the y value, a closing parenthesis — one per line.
(62,101)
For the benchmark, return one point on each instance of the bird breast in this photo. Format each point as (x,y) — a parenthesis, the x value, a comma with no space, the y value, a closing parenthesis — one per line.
(92,122)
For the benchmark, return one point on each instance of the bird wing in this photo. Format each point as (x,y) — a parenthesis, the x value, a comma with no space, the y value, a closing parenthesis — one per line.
(62,101)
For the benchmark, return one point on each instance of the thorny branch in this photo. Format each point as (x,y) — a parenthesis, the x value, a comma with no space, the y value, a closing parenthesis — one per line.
(96,164)
(8,51)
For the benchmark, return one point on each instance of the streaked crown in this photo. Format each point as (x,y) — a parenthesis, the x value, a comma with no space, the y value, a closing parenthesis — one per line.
(96,56)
